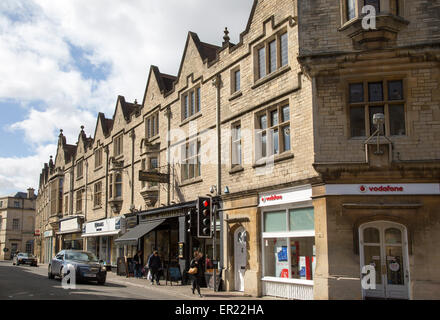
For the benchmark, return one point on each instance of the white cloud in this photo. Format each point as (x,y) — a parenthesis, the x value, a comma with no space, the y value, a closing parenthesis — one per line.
(128,36)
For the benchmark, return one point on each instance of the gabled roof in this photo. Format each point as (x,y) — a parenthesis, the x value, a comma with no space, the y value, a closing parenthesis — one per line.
(127,108)
(69,152)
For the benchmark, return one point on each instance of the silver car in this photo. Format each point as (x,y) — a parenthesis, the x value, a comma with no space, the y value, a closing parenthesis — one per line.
(24,258)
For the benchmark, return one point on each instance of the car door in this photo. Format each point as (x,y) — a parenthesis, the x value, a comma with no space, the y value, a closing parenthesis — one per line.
(57,262)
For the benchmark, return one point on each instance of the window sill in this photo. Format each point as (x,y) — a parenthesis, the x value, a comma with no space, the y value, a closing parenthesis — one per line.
(236,169)
(152,139)
(79,178)
(277,158)
(290,281)
(119,157)
(192,118)
(97,207)
(190,182)
(271,76)
(98,168)
(236,95)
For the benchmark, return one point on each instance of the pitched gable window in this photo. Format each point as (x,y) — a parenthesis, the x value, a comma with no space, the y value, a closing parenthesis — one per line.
(152,125)
(98,158)
(118,145)
(79,168)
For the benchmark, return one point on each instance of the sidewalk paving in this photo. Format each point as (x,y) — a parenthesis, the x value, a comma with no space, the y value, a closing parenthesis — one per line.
(178,290)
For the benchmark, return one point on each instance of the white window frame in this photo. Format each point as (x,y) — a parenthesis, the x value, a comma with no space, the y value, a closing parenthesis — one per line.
(285,234)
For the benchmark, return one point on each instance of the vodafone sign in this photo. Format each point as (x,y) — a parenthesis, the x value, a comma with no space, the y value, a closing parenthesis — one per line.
(297,194)
(383,189)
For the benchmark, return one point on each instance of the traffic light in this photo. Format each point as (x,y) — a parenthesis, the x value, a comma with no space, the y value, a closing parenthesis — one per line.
(204,217)
(190,220)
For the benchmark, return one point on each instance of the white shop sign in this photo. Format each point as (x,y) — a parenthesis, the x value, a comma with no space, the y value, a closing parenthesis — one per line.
(383,189)
(297,194)
(70,225)
(48,234)
(103,227)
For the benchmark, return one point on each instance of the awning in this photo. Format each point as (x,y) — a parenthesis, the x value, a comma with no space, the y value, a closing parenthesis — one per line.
(99,234)
(132,236)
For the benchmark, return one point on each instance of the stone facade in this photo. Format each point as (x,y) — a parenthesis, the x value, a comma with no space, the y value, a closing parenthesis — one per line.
(324,55)
(17,226)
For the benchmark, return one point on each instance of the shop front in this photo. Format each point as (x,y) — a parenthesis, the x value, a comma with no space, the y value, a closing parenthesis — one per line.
(71,234)
(377,240)
(287,243)
(100,239)
(48,238)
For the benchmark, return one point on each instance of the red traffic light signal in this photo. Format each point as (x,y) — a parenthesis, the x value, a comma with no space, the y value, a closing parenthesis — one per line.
(204,217)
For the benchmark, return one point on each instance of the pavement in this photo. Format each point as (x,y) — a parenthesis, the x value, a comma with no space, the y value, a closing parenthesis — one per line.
(31,283)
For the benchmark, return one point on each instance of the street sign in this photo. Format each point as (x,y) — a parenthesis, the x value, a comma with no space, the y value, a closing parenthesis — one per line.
(153,177)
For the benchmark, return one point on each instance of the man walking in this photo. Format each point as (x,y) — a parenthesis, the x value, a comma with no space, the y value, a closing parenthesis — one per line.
(154,264)
(138,264)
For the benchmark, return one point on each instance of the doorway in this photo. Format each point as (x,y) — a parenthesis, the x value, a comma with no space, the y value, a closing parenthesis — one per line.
(384,245)
(240,258)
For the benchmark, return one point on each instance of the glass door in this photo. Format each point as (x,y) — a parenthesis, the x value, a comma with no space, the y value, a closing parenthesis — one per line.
(384,246)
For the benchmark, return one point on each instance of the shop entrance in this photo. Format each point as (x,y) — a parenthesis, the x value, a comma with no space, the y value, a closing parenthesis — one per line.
(384,246)
(240,258)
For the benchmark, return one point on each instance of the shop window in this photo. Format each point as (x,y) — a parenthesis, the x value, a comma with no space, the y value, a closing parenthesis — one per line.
(275,221)
(191,160)
(236,146)
(191,103)
(271,55)
(273,131)
(369,98)
(291,256)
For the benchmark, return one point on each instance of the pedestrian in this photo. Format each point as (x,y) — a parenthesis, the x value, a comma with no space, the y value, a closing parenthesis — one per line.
(196,273)
(138,264)
(154,264)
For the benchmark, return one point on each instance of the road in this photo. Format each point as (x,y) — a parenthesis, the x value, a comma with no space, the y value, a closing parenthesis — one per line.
(31,283)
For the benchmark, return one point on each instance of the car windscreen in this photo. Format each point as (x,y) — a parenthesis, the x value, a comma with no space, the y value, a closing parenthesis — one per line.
(81,256)
(24,255)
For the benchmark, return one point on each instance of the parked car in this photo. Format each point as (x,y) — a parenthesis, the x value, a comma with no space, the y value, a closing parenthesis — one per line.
(24,258)
(86,264)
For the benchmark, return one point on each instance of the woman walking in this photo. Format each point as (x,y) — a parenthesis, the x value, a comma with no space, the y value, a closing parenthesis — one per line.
(196,273)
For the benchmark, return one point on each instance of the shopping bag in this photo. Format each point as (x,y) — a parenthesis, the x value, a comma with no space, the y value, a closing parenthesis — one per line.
(149,276)
(192,270)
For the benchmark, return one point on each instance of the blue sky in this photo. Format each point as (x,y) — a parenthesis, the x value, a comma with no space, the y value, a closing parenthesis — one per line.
(64,61)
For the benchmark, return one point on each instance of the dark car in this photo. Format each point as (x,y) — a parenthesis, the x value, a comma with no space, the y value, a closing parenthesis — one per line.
(86,264)
(24,258)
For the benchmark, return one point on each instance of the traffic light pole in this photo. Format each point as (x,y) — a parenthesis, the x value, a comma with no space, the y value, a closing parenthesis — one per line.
(213,247)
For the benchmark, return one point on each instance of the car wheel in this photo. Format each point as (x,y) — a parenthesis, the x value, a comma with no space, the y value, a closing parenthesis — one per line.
(49,272)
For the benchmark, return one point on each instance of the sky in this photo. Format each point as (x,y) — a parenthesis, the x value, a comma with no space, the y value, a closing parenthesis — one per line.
(63,61)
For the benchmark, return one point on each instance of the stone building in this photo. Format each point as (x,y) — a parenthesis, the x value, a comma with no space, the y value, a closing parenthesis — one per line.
(276,128)
(17,224)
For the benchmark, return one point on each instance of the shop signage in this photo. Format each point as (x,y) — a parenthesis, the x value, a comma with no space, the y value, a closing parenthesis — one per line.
(383,189)
(37,233)
(103,226)
(297,194)
(48,234)
(153,176)
(70,225)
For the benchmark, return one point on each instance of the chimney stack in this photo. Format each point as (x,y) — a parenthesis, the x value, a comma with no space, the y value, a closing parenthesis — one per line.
(30,194)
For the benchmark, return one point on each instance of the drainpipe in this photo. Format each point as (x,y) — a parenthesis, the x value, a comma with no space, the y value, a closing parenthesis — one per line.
(168,114)
(106,180)
(85,208)
(132,135)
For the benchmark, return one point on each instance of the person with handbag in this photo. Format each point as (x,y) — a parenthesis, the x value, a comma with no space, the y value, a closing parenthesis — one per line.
(154,264)
(195,273)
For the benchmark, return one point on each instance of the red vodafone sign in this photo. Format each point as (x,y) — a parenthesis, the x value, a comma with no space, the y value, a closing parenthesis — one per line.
(271,198)
(383,189)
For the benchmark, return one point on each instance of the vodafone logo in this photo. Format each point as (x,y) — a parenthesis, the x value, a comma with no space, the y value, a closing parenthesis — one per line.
(383,188)
(271,198)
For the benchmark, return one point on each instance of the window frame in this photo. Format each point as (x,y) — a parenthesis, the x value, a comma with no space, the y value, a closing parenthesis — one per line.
(266,45)
(97,195)
(98,157)
(239,141)
(152,126)
(15,224)
(184,162)
(385,103)
(270,130)
(186,102)
(118,145)
(288,235)
(234,87)
(78,201)
(80,168)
